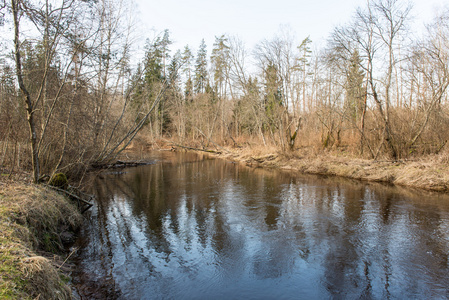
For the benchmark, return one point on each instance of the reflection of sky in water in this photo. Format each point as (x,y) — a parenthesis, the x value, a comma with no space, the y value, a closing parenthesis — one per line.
(211,229)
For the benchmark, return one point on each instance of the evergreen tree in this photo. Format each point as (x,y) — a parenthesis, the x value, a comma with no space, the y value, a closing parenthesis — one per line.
(188,90)
(303,63)
(219,61)
(154,62)
(155,58)
(154,76)
(164,43)
(354,86)
(200,80)
(171,95)
(173,70)
(273,94)
(186,60)
(137,94)
(273,87)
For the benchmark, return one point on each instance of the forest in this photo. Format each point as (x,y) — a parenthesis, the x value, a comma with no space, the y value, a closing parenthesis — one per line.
(74,93)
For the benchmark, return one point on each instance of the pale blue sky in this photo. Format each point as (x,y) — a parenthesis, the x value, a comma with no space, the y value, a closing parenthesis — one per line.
(253,20)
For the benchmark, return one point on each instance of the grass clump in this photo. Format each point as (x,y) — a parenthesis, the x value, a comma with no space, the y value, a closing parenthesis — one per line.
(31,219)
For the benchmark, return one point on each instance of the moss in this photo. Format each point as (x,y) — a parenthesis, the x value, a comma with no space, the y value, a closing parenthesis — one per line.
(59,180)
(50,242)
(12,282)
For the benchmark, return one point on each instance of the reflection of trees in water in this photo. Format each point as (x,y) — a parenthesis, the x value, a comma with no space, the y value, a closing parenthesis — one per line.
(346,269)
(96,257)
(199,219)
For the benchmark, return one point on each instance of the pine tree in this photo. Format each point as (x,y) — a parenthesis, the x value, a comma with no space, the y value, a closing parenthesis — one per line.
(155,58)
(186,60)
(173,70)
(200,80)
(273,87)
(354,87)
(219,61)
(303,63)
(153,63)
(273,93)
(164,43)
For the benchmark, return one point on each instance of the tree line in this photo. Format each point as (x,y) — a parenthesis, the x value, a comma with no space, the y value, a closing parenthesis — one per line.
(70,96)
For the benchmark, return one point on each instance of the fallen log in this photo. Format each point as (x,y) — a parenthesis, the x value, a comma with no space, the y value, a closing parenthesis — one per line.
(196,149)
(120,164)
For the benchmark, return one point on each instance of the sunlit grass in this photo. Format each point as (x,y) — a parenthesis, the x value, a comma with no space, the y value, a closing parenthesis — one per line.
(429,173)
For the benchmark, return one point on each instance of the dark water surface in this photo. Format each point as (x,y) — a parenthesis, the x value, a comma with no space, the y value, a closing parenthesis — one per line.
(187,227)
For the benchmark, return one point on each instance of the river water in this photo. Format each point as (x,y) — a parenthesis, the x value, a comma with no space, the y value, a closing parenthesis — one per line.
(191,227)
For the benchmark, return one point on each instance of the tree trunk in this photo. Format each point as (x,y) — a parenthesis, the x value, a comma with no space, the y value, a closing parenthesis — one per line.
(28,103)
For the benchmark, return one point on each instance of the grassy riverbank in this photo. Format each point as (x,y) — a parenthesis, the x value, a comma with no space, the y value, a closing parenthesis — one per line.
(33,222)
(428,173)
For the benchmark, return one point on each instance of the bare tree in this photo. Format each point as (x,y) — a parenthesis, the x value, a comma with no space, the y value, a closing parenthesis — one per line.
(42,20)
(376,32)
(430,61)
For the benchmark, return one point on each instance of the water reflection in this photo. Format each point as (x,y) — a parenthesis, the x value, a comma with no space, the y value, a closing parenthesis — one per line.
(193,228)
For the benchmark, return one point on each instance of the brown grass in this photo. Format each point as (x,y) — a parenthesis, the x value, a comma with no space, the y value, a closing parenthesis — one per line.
(429,173)
(32,218)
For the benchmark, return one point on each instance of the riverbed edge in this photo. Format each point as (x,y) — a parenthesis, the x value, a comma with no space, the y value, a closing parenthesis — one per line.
(429,173)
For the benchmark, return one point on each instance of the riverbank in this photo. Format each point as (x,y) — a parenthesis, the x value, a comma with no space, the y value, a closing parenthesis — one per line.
(429,173)
(34,224)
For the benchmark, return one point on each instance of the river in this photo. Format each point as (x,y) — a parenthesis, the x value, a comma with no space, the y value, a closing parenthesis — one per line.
(192,227)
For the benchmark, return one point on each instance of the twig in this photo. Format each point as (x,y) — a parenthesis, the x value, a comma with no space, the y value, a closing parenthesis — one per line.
(71,195)
(71,253)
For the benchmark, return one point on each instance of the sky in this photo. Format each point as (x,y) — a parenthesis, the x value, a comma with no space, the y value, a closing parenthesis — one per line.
(190,21)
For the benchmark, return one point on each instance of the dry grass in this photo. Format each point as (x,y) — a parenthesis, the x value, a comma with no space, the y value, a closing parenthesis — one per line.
(429,173)
(44,279)
(31,218)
